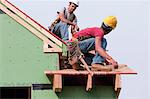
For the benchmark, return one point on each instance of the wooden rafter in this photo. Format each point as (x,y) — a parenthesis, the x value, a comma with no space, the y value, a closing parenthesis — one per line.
(73,72)
(118,84)
(57,83)
(30,28)
(46,49)
(24,16)
(89,83)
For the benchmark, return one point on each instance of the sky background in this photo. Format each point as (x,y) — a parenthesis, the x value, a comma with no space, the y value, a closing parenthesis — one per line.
(129,43)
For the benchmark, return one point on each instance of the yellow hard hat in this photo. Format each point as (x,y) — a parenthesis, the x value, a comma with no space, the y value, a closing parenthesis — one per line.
(110,21)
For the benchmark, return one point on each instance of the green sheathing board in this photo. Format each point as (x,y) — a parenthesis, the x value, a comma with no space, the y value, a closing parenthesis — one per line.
(22,61)
(44,94)
(78,92)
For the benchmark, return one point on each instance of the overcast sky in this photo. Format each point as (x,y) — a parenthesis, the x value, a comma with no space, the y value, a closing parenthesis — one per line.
(129,43)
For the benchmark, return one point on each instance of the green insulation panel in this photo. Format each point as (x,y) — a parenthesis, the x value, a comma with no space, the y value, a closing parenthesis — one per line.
(76,92)
(44,94)
(22,60)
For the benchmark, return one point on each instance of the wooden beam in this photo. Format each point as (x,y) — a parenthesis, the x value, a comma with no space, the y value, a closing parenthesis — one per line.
(75,72)
(117,84)
(50,50)
(57,83)
(28,19)
(89,83)
(53,49)
(89,79)
(2,0)
(30,28)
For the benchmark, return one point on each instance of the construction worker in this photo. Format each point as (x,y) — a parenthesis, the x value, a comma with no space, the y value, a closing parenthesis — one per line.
(66,17)
(93,39)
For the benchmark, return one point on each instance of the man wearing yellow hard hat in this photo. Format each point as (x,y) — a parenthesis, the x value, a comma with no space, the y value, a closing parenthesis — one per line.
(93,39)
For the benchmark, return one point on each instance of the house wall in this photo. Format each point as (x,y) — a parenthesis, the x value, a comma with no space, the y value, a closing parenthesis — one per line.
(22,60)
(22,63)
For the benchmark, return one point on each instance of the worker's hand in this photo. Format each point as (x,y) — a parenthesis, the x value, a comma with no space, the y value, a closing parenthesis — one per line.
(114,63)
(77,28)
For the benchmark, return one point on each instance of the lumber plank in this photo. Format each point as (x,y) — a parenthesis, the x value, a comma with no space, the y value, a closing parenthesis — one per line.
(89,83)
(125,70)
(118,84)
(57,83)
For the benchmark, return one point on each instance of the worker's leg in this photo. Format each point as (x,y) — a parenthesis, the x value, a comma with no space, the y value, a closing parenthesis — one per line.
(64,31)
(97,59)
(61,30)
(56,30)
(87,45)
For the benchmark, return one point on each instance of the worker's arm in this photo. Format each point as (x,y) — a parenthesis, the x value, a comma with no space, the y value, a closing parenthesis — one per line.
(63,19)
(73,30)
(102,52)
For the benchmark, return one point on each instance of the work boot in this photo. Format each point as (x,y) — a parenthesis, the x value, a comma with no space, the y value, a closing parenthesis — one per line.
(100,67)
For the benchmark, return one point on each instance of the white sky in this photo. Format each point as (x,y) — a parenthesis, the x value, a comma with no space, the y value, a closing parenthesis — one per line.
(129,43)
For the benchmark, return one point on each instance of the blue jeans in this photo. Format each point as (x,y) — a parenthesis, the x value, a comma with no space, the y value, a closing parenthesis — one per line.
(88,45)
(61,30)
